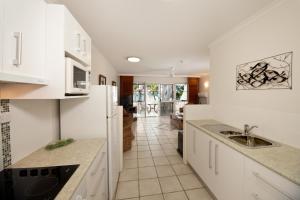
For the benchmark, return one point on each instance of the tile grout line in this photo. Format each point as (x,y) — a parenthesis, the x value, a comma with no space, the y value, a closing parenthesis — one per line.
(167,144)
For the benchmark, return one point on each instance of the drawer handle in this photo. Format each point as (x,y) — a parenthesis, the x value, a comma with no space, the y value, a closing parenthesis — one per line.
(19,41)
(209,156)
(98,183)
(255,196)
(258,176)
(98,164)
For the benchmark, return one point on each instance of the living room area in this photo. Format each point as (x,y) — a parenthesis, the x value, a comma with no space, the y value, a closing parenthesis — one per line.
(147,96)
(159,98)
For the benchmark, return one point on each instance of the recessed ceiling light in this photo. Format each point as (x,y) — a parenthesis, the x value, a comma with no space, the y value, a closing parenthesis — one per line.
(133,59)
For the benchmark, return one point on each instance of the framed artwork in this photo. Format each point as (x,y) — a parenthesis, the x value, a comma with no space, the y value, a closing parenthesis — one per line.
(269,73)
(102,80)
(114,83)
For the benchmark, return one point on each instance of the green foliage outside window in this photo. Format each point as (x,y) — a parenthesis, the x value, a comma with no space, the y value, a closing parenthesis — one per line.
(179,91)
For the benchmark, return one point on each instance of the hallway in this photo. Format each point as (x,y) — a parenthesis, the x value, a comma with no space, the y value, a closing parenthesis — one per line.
(153,170)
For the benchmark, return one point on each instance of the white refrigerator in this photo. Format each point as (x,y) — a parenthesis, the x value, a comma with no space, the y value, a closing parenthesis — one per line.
(93,117)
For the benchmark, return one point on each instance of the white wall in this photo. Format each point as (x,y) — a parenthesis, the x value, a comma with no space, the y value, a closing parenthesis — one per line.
(276,112)
(34,123)
(165,80)
(100,65)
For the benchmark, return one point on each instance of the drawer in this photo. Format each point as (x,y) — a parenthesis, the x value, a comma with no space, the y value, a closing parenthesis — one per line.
(81,191)
(97,175)
(99,160)
(264,184)
(100,192)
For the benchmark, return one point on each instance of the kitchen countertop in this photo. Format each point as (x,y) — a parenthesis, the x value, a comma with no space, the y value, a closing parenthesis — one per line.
(82,152)
(284,159)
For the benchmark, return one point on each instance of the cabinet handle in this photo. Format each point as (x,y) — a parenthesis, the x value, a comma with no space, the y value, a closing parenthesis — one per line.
(258,176)
(19,41)
(255,196)
(216,159)
(194,142)
(78,48)
(84,47)
(209,156)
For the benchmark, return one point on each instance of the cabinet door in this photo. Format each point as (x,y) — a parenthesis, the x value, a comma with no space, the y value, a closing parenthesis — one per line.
(228,171)
(86,48)
(191,147)
(24,38)
(205,158)
(73,36)
(262,183)
(77,41)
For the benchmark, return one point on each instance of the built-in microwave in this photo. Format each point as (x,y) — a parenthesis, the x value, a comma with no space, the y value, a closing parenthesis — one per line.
(77,78)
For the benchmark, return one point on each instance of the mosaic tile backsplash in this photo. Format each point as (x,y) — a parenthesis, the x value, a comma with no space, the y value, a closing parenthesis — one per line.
(4,105)
(5,134)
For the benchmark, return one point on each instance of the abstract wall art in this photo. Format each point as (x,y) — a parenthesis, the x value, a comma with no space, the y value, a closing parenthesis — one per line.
(270,73)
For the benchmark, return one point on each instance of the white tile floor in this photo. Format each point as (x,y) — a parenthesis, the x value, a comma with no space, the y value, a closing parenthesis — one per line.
(153,170)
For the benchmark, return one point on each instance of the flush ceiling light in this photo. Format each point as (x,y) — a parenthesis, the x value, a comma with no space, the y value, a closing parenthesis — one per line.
(133,59)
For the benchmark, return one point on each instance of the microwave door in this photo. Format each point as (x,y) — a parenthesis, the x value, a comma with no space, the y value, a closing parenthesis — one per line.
(77,78)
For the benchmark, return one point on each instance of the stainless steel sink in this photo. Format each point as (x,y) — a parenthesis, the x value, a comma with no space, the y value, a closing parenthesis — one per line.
(228,133)
(252,141)
(243,138)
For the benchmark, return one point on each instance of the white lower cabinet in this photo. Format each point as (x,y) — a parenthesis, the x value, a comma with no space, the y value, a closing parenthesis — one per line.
(94,185)
(220,167)
(228,172)
(232,176)
(81,191)
(263,184)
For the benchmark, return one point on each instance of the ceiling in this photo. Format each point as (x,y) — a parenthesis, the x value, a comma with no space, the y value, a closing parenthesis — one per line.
(163,33)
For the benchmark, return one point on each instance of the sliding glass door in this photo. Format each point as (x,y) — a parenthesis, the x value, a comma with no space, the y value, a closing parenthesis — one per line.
(139,99)
(166,104)
(152,100)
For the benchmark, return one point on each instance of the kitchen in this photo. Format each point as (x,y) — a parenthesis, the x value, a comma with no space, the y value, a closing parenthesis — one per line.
(50,66)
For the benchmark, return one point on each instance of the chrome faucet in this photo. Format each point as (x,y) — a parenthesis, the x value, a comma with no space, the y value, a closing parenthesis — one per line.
(247,129)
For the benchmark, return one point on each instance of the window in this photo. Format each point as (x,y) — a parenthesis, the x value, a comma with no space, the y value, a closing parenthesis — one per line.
(166,92)
(138,92)
(181,92)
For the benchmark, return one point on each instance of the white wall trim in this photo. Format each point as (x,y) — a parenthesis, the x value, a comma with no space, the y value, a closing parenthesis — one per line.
(247,22)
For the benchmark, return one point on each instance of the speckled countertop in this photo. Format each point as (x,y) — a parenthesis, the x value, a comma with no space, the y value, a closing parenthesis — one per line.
(284,159)
(81,152)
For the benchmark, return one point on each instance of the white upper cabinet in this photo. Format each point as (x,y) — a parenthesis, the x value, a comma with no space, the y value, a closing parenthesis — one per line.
(23,30)
(46,34)
(77,41)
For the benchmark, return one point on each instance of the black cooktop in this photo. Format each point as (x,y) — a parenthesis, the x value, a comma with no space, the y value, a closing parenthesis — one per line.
(42,183)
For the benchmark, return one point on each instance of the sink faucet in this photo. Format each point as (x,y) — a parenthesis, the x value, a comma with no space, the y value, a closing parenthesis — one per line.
(247,129)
